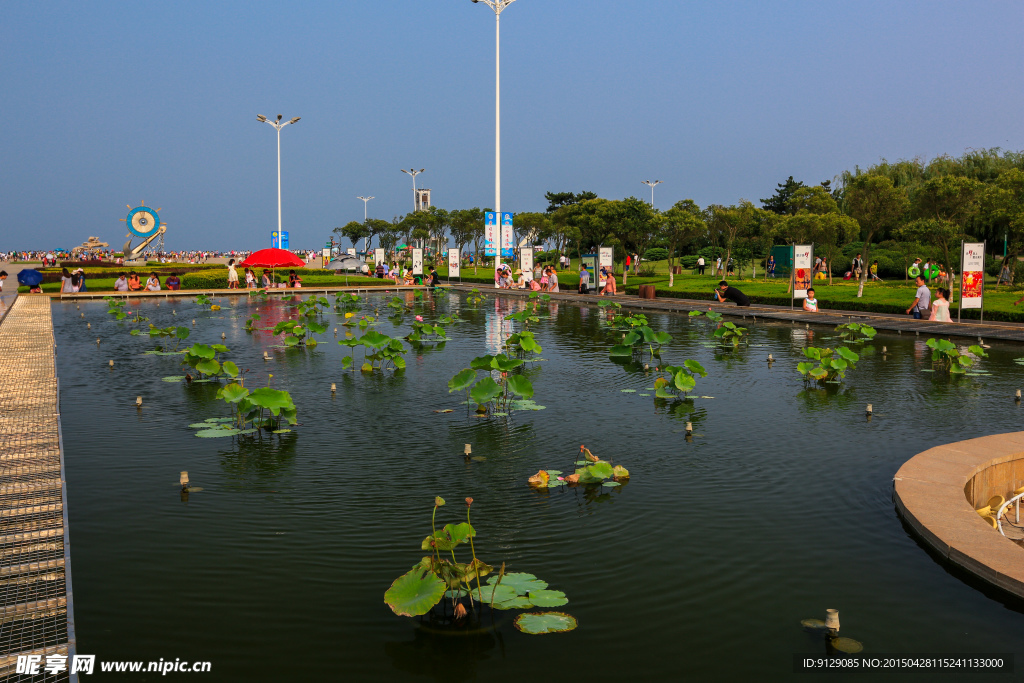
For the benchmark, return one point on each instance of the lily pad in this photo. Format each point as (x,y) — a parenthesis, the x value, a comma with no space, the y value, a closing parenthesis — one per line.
(582,462)
(501,594)
(499,414)
(643,394)
(609,484)
(211,433)
(521,582)
(553,473)
(548,598)
(174,378)
(518,602)
(847,645)
(545,622)
(555,483)
(415,592)
(525,404)
(628,391)
(220,419)
(163,353)
(281,431)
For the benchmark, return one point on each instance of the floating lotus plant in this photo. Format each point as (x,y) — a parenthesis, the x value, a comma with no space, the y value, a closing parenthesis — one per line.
(475,297)
(203,359)
(713,316)
(264,408)
(589,470)
(681,378)
(436,577)
(948,357)
(423,332)
(250,322)
(380,352)
(203,300)
(639,339)
(832,364)
(856,333)
(115,307)
(180,333)
(732,334)
(522,344)
(495,396)
(347,302)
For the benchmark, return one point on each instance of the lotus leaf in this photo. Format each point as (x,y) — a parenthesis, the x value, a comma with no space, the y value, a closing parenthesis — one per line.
(847,354)
(536,623)
(525,405)
(619,472)
(684,382)
(978,351)
(547,598)
(273,400)
(628,391)
(230,368)
(695,367)
(516,602)
(662,337)
(521,582)
(208,367)
(485,391)
(609,484)
(812,353)
(632,338)
(504,363)
(174,378)
(501,593)
(232,393)
(520,386)
(415,593)
(620,350)
(804,368)
(540,480)
(208,433)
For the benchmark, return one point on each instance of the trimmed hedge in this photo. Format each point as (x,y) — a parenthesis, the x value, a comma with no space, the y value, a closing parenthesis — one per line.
(219,279)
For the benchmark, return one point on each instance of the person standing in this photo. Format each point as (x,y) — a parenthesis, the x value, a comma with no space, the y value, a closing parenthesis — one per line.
(922,300)
(718,266)
(940,307)
(552,281)
(856,266)
(65,281)
(232,275)
(584,279)
(700,265)
(771,266)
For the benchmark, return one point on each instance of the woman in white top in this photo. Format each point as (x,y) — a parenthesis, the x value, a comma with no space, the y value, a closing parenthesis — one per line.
(232,275)
(940,306)
(810,303)
(65,281)
(153,283)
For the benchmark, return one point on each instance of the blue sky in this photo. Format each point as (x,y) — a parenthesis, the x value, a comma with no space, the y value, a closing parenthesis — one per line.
(111,103)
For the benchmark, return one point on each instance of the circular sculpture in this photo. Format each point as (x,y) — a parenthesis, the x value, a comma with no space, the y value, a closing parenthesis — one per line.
(143,221)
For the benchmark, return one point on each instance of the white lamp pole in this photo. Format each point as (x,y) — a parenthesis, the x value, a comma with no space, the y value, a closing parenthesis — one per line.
(498,6)
(649,183)
(278,125)
(413,173)
(366,239)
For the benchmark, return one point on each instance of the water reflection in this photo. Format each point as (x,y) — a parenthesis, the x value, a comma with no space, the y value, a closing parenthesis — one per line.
(445,651)
(257,461)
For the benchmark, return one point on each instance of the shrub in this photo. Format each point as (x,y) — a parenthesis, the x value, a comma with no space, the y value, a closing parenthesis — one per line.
(689,261)
(656,254)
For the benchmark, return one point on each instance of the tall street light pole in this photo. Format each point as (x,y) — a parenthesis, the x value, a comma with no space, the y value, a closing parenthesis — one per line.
(278,125)
(498,6)
(649,183)
(366,240)
(414,173)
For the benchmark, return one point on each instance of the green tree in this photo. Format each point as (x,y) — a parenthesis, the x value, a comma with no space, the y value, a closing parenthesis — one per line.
(779,202)
(877,205)
(557,200)
(943,207)
(354,231)
(636,225)
(730,223)
(681,225)
(1002,205)
(466,226)
(531,227)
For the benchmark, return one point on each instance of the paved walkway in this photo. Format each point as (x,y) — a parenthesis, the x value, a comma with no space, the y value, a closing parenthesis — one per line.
(36,615)
(901,324)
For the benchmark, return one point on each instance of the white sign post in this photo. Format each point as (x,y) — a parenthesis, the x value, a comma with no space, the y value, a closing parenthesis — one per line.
(605,259)
(972,277)
(454,264)
(803,256)
(526,259)
(378,258)
(490,233)
(417,262)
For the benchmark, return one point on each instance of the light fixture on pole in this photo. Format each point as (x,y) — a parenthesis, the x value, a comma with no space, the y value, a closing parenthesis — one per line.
(366,239)
(278,125)
(498,6)
(414,173)
(651,185)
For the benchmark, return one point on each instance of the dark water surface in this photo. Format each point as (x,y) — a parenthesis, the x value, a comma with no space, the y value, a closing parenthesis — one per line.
(702,566)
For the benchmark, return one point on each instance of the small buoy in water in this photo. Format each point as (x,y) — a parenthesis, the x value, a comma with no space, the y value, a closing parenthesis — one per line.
(980,341)
(832,620)
(174,312)
(97,341)
(138,401)
(1017,396)
(807,326)
(183,480)
(869,410)
(689,428)
(223,336)
(193,322)
(646,367)
(111,363)
(265,356)
(884,350)
(335,331)
(88,326)
(334,387)
(467,450)
(83,315)
(899,331)
(770,359)
(77,307)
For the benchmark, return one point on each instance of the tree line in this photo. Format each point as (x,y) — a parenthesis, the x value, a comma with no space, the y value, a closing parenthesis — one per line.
(906,205)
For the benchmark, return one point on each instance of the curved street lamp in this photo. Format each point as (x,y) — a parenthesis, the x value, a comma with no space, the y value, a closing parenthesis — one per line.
(278,125)
(498,6)
(649,183)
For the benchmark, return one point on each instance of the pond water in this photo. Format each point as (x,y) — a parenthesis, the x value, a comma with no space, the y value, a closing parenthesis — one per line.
(703,565)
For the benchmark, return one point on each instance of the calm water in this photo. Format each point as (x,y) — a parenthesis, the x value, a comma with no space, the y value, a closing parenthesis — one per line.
(703,565)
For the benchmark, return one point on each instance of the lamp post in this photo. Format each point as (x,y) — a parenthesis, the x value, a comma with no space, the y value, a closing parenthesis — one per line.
(414,173)
(651,185)
(498,6)
(366,240)
(278,125)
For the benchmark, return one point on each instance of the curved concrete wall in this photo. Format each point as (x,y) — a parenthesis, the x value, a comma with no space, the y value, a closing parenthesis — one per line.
(936,493)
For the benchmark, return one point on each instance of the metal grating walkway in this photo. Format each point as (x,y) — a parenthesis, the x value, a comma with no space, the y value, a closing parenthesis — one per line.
(36,614)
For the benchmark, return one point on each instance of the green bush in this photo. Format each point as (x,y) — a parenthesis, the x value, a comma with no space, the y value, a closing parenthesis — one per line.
(689,261)
(656,254)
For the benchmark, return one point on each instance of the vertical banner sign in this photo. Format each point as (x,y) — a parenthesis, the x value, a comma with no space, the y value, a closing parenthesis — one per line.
(803,256)
(526,259)
(275,240)
(454,264)
(972,283)
(507,234)
(417,262)
(326,254)
(378,257)
(350,251)
(604,260)
(490,233)
(284,239)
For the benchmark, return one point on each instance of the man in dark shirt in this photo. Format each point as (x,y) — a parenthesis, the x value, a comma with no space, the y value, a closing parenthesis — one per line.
(434,280)
(173,282)
(725,292)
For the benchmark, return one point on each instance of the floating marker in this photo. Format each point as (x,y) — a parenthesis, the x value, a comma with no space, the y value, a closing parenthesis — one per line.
(138,401)
(334,387)
(174,312)
(265,356)
(111,363)
(832,620)
(770,359)
(980,341)
(97,341)
(335,331)
(193,322)
(1017,396)
(917,333)
(183,480)
(83,315)
(884,350)
(689,428)
(223,336)
(88,326)
(869,410)
(468,449)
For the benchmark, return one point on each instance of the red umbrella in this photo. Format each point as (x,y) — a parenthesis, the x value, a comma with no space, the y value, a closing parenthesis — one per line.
(272,258)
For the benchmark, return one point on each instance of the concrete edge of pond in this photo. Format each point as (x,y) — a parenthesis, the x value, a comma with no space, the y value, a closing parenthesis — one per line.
(935,493)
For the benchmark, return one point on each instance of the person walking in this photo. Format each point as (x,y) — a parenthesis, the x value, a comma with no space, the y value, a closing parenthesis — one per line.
(922,300)
(771,266)
(232,275)
(718,266)
(609,283)
(584,279)
(700,265)
(856,266)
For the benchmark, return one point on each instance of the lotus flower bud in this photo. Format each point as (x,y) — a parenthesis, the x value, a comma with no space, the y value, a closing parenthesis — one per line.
(469,501)
(438,501)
